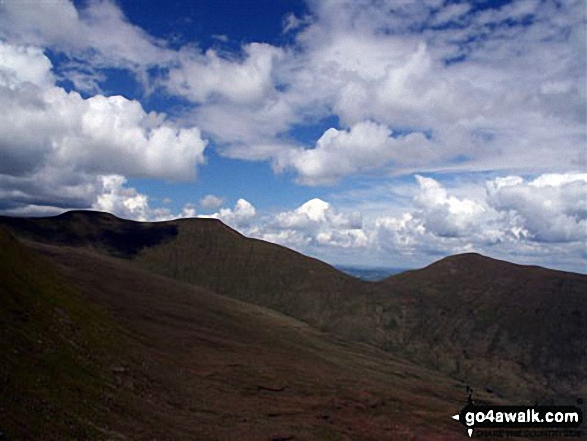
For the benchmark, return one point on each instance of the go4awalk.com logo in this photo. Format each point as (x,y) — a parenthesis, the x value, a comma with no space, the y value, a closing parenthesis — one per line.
(522,421)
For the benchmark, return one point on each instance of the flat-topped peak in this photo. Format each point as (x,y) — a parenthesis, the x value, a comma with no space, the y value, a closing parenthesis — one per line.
(89,214)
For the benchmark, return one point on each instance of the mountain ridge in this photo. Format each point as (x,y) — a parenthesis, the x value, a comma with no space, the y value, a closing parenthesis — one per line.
(462,315)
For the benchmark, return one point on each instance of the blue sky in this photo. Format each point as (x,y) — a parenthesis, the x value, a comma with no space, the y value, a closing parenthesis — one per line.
(368,133)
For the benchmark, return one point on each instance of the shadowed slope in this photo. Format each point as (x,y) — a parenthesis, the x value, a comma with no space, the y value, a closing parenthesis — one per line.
(54,379)
(94,229)
(496,321)
(190,364)
(518,330)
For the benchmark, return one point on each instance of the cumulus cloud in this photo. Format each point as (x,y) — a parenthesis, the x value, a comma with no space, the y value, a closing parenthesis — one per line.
(472,87)
(444,215)
(211,202)
(98,31)
(238,217)
(534,218)
(366,146)
(47,131)
(440,222)
(202,77)
(550,208)
(126,202)
(317,212)
(43,123)
(312,225)
(466,77)
(315,223)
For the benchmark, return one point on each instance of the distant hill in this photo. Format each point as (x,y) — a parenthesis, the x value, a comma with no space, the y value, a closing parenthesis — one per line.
(370,274)
(518,331)
(495,321)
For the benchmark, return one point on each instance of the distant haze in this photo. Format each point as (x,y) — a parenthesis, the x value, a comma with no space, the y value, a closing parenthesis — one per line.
(370,274)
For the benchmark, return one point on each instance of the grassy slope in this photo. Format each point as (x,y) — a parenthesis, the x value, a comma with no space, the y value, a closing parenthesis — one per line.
(496,321)
(481,320)
(204,366)
(516,330)
(209,254)
(55,348)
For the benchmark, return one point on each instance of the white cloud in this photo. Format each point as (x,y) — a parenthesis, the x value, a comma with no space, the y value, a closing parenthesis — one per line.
(366,146)
(315,223)
(99,31)
(535,220)
(451,13)
(514,100)
(440,223)
(444,215)
(292,23)
(42,123)
(22,65)
(311,226)
(317,212)
(202,77)
(188,210)
(49,134)
(211,202)
(550,208)
(238,217)
(127,203)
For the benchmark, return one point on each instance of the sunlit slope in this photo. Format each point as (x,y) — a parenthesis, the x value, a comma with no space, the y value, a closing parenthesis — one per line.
(207,253)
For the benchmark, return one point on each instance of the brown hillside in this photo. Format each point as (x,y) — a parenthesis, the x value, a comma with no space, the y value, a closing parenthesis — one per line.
(519,331)
(98,348)
(55,381)
(496,321)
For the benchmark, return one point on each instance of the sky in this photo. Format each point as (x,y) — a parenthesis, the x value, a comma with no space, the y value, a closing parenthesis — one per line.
(372,133)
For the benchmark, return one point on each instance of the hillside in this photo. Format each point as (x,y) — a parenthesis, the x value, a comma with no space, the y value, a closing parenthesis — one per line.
(495,321)
(139,356)
(518,331)
(207,253)
(55,381)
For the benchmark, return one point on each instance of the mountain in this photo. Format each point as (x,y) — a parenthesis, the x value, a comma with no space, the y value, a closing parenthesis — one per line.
(207,253)
(96,347)
(517,331)
(496,321)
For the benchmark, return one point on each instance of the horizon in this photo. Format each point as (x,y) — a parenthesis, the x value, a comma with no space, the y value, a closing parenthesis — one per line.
(375,135)
(350,269)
